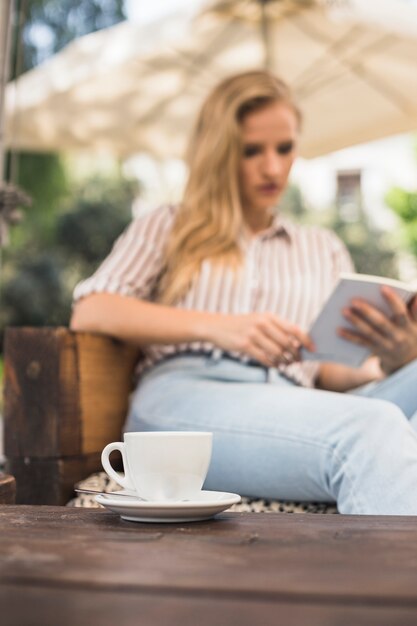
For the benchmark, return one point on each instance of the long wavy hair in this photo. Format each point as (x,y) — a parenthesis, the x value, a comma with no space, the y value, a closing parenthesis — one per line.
(209,220)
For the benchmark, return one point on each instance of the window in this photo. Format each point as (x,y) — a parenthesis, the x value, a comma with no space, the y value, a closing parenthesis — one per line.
(349,195)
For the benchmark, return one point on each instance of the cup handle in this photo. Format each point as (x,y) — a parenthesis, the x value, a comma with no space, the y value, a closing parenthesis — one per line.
(123,481)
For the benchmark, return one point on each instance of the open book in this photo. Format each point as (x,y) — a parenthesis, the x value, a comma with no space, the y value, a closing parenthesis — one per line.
(331,347)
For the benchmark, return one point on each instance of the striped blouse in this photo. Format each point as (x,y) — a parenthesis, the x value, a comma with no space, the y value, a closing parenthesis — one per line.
(288,270)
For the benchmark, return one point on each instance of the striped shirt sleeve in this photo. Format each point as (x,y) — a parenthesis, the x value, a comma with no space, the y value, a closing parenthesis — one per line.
(135,261)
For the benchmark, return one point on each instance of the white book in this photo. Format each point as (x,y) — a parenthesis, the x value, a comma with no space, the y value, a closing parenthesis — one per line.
(331,347)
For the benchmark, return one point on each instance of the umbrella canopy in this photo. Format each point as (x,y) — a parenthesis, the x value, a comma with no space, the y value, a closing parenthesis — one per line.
(128,88)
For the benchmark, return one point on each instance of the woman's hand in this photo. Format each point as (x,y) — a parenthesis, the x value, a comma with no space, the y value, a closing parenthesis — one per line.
(338,377)
(262,336)
(393,339)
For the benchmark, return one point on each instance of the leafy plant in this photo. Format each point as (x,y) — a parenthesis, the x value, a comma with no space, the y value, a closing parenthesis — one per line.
(38,281)
(404,203)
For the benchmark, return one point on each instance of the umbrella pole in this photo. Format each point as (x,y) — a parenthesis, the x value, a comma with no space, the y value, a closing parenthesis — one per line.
(11,196)
(266,35)
(6,13)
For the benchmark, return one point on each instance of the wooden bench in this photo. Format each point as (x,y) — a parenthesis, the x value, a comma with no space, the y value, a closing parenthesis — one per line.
(65,397)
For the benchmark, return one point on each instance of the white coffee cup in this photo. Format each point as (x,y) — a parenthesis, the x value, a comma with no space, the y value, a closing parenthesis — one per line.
(162,465)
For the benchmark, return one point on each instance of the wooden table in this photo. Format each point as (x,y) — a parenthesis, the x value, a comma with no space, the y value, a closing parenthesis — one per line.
(62,566)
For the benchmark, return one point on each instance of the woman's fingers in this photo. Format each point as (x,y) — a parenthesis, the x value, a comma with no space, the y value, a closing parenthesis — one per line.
(264,337)
(299,337)
(361,340)
(272,341)
(392,337)
(372,316)
(402,315)
(267,352)
(270,348)
(275,351)
(285,343)
(260,355)
(371,323)
(412,309)
(375,328)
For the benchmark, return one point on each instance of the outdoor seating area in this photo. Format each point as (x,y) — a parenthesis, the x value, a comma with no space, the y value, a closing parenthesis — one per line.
(208,312)
(43,433)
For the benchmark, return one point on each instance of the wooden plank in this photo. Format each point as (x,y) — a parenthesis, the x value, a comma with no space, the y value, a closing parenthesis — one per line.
(66,393)
(68,414)
(49,606)
(42,417)
(66,397)
(106,378)
(50,481)
(350,560)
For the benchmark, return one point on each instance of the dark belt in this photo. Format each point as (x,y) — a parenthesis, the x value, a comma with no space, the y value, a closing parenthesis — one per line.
(209,355)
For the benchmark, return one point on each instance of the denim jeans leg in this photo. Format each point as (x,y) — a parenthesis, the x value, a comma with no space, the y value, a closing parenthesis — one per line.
(282,441)
(399,388)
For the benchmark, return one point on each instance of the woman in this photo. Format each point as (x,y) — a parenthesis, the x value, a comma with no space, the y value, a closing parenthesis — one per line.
(218,293)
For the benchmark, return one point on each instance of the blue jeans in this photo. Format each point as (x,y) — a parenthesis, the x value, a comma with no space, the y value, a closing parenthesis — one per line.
(273,439)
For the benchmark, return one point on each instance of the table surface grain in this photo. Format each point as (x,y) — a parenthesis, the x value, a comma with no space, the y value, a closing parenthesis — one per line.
(89,566)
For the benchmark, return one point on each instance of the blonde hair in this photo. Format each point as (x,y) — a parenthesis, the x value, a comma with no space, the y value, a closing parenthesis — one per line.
(209,220)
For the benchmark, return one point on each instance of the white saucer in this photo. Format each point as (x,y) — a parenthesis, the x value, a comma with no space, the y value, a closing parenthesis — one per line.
(204,506)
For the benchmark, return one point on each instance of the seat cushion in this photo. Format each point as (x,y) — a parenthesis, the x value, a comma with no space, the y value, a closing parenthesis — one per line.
(101,482)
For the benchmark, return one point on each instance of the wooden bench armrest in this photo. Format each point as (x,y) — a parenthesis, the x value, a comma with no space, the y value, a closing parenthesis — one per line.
(65,397)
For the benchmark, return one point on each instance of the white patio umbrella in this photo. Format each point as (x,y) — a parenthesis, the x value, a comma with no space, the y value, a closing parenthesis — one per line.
(129,89)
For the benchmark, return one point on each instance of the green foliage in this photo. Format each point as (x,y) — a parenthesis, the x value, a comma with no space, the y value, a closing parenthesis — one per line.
(37,169)
(35,294)
(39,281)
(404,203)
(40,266)
(43,177)
(371,250)
(49,25)
(86,231)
